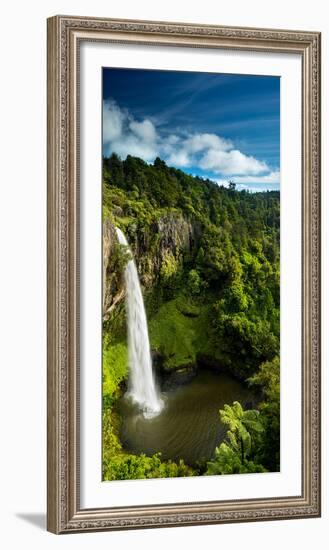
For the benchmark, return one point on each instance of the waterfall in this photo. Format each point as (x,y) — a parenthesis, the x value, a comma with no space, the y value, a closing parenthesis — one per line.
(141,387)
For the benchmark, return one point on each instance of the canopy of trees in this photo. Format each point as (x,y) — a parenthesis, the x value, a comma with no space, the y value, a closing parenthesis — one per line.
(209,261)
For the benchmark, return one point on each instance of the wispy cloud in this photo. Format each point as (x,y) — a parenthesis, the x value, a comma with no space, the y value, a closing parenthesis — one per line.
(207,152)
(254,184)
(271,177)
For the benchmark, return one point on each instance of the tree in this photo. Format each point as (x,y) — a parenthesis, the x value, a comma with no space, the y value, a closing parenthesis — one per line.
(236,454)
(227,461)
(218,284)
(268,380)
(242,426)
(195,283)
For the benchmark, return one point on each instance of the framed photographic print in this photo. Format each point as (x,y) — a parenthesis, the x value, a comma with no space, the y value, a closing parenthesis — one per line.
(183,274)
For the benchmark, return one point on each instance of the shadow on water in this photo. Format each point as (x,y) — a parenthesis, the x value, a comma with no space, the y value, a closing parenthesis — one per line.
(189,426)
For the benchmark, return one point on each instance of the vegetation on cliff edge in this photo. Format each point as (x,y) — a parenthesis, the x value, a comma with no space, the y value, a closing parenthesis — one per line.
(208,260)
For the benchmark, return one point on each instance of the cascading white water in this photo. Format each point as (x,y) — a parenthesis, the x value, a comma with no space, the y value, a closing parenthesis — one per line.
(141,388)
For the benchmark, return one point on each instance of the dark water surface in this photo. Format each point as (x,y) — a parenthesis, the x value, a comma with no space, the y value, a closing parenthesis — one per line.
(189,426)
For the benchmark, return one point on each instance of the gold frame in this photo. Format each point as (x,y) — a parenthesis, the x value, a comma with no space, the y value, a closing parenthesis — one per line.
(64,36)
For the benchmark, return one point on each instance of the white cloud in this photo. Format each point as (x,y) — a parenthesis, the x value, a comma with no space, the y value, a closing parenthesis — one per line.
(257,188)
(113,119)
(231,163)
(125,135)
(270,178)
(179,158)
(144,130)
(202,142)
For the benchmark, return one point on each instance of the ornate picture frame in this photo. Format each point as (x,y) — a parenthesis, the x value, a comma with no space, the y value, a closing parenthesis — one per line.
(65,36)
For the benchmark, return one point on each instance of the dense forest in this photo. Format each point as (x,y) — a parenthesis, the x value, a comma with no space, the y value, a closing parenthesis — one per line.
(208,259)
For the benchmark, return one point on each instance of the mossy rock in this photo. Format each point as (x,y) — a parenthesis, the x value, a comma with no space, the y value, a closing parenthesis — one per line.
(187,307)
(176,337)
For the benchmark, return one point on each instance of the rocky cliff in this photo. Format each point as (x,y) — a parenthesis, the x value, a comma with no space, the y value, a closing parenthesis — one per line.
(158,251)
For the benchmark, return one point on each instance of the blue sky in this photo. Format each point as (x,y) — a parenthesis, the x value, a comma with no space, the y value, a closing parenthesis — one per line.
(221,126)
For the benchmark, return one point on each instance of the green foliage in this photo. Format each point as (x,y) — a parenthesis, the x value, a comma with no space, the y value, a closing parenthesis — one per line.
(243,427)
(111,445)
(114,368)
(195,283)
(268,380)
(120,256)
(169,267)
(209,262)
(228,461)
(117,464)
(178,331)
(129,466)
(236,455)
(174,335)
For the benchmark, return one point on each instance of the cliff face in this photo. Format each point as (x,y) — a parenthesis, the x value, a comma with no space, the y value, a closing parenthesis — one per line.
(158,252)
(113,291)
(161,250)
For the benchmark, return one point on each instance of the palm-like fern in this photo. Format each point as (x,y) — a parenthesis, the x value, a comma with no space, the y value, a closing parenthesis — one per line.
(242,426)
